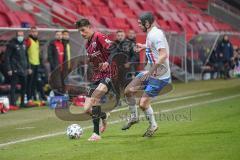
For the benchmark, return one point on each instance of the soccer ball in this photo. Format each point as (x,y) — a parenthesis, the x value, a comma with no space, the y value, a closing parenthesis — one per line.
(74,131)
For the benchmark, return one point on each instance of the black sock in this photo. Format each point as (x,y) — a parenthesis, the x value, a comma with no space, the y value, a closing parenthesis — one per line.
(96,125)
(96,111)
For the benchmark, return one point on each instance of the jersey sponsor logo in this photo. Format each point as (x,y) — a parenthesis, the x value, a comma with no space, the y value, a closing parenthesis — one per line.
(108,41)
(94,44)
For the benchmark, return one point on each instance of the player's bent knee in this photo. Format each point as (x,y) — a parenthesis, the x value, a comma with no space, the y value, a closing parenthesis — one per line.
(144,103)
(102,88)
(126,91)
(129,91)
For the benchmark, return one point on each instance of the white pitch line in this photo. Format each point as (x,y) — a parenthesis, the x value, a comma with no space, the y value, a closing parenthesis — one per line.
(23,128)
(114,122)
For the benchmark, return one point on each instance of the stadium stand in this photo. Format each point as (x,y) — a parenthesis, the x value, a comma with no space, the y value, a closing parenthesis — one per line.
(172,15)
(202,4)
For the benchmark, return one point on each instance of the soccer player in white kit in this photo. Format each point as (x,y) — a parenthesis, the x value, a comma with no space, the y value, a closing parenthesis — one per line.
(155,76)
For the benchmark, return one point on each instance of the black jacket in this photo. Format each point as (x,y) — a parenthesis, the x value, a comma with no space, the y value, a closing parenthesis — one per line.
(124,47)
(226,48)
(16,58)
(53,55)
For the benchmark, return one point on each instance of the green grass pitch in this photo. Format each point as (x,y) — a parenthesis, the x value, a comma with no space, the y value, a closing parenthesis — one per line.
(197,121)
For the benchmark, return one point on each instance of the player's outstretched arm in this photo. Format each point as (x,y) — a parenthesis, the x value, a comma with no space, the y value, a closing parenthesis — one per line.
(139,47)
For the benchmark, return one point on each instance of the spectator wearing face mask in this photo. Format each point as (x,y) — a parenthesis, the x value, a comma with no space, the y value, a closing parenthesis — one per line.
(17,66)
(33,50)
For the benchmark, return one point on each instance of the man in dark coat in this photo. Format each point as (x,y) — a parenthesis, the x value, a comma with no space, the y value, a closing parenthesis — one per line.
(17,66)
(57,58)
(225,53)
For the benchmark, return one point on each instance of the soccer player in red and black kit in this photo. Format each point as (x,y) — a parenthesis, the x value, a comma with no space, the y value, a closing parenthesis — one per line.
(103,72)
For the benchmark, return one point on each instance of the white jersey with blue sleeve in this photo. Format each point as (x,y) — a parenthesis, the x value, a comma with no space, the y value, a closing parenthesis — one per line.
(156,40)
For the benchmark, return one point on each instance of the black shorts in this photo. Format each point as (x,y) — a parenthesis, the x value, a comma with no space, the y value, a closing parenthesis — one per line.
(107,81)
(112,92)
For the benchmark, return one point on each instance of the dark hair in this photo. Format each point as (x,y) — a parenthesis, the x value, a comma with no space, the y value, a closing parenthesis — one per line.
(65,31)
(33,27)
(83,23)
(146,16)
(120,31)
(58,31)
(19,31)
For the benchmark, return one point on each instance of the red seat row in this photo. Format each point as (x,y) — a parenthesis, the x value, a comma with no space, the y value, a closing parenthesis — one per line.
(171,15)
(10,18)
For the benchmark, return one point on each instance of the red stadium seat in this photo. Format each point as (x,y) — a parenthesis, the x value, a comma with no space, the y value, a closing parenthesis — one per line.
(119,3)
(25,17)
(172,15)
(184,18)
(14,21)
(117,23)
(175,26)
(145,6)
(235,40)
(194,17)
(175,17)
(129,13)
(209,26)
(95,23)
(208,18)
(3,6)
(165,15)
(119,13)
(121,23)
(69,5)
(192,11)
(193,26)
(84,10)
(201,4)
(107,22)
(222,27)
(98,3)
(3,20)
(134,25)
(133,5)
(103,11)
(163,24)
(202,28)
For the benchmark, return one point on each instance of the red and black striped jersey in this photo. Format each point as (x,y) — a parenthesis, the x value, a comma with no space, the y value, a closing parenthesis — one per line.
(98,52)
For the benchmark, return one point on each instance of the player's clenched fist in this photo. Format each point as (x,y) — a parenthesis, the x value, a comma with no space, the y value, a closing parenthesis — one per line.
(139,47)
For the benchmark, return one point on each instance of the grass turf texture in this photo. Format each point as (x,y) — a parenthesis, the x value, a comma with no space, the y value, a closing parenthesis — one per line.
(207,131)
